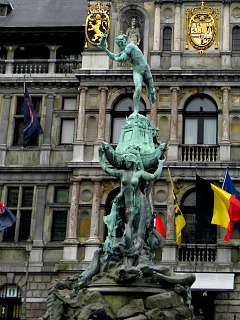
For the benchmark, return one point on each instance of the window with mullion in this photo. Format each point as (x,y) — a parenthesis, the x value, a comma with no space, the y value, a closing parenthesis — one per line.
(198,229)
(20,202)
(236,39)
(200,122)
(59,215)
(59,222)
(167,39)
(19,120)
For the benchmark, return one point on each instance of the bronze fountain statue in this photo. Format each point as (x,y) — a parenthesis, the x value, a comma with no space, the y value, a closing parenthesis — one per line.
(126,261)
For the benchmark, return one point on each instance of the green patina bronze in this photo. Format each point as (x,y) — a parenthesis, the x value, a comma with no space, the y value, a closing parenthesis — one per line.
(137,161)
(127,257)
(141,70)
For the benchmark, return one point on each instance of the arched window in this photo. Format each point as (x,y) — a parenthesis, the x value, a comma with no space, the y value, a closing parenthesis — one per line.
(198,229)
(236,39)
(200,122)
(123,109)
(167,39)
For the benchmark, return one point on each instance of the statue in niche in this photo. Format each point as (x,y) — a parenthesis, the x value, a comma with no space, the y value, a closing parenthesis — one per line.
(133,33)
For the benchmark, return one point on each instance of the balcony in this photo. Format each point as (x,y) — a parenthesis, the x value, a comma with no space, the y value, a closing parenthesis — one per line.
(199,153)
(197,253)
(44,66)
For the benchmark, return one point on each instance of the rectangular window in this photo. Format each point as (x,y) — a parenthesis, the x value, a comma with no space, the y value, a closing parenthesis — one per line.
(69,103)
(61,194)
(117,127)
(191,126)
(20,202)
(25,224)
(236,39)
(19,119)
(9,233)
(209,131)
(59,224)
(3,11)
(67,132)
(167,39)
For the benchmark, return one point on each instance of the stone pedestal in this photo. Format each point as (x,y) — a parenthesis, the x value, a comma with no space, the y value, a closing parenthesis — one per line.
(95,60)
(155,60)
(225,149)
(172,152)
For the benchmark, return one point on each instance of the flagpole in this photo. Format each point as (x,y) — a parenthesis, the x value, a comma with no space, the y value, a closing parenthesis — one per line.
(225,178)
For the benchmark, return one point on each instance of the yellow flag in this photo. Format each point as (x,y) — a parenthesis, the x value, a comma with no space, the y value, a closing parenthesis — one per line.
(179,218)
(221,207)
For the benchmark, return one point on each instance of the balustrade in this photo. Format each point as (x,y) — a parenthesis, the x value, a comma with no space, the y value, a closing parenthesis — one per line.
(196,153)
(197,253)
(26,66)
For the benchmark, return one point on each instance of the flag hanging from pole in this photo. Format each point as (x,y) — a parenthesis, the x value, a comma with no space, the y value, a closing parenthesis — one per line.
(226,210)
(7,218)
(230,187)
(180,221)
(31,127)
(159,226)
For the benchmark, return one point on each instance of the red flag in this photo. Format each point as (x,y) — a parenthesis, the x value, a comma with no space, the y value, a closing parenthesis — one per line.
(159,226)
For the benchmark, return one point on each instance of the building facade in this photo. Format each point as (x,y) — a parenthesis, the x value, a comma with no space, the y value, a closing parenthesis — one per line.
(55,186)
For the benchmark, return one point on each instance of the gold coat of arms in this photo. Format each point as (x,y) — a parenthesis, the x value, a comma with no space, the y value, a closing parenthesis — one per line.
(97,23)
(202,27)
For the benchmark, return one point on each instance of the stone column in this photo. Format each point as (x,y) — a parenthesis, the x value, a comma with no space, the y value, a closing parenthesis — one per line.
(225,114)
(101,120)
(155,57)
(226,53)
(102,112)
(225,143)
(169,252)
(173,146)
(78,148)
(4,128)
(37,250)
(81,114)
(175,54)
(10,60)
(93,242)
(52,59)
(71,242)
(46,146)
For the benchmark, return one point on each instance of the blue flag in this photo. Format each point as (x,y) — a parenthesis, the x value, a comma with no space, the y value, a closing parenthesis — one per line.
(7,218)
(230,188)
(31,126)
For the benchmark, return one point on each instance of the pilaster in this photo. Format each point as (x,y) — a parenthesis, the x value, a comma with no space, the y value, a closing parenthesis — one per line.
(172,154)
(71,242)
(93,242)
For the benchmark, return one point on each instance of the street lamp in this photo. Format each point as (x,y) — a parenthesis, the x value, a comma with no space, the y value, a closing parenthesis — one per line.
(24,304)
